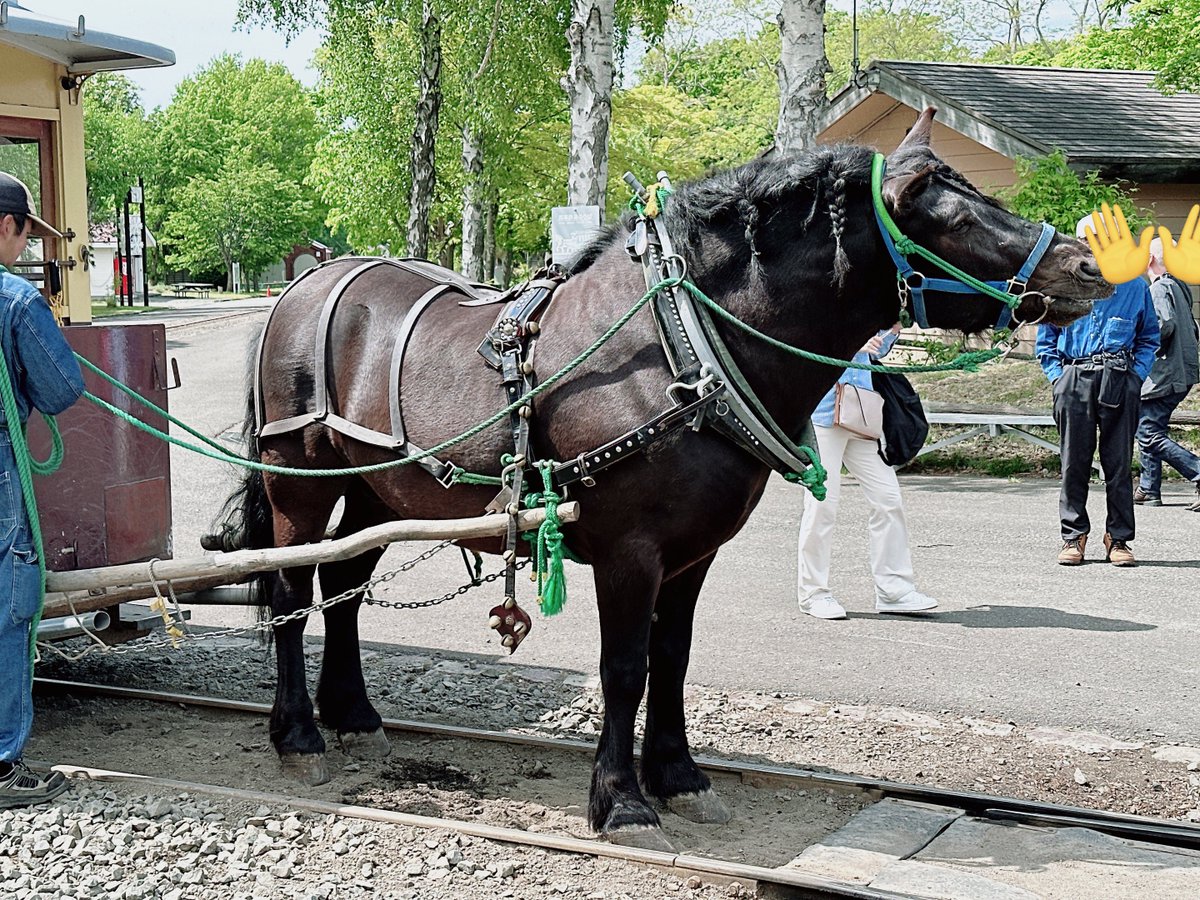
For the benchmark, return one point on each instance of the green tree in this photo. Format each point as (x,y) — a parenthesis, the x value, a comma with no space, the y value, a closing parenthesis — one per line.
(248,212)
(117,141)
(1161,35)
(1048,190)
(253,115)
(887,33)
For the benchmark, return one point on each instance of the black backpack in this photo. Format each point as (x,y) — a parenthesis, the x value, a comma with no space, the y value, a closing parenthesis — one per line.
(904,425)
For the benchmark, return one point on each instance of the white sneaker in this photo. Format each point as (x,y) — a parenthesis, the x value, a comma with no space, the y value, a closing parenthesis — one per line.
(823,606)
(913,601)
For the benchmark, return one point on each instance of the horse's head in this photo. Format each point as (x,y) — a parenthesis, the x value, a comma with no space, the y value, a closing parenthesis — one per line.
(939,209)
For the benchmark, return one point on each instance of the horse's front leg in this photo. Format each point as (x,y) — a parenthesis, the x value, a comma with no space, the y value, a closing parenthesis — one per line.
(342,692)
(625,591)
(668,770)
(294,733)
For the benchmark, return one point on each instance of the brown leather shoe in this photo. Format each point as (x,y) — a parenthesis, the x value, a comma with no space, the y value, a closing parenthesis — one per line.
(1071,553)
(1118,552)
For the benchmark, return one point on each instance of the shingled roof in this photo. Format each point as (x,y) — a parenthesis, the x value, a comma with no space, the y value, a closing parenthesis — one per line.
(1113,121)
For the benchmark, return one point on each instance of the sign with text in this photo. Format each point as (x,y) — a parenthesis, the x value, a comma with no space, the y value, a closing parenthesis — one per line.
(571,229)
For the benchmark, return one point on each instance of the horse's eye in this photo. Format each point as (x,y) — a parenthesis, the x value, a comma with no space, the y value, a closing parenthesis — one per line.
(963,225)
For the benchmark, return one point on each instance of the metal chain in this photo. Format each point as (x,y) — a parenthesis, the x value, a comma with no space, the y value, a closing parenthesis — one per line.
(146,646)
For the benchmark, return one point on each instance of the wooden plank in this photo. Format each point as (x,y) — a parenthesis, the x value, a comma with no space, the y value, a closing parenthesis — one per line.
(235,566)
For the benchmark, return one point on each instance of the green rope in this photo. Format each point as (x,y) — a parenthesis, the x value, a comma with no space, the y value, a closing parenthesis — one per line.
(905,246)
(130,392)
(223,455)
(548,546)
(968,361)
(27,467)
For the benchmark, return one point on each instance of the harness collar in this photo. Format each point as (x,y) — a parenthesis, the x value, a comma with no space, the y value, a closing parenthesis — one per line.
(913,284)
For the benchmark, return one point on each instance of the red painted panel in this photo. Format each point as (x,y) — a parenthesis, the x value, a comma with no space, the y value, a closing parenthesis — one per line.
(110,503)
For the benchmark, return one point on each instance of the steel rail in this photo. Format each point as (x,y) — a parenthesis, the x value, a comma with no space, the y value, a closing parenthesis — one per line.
(991,806)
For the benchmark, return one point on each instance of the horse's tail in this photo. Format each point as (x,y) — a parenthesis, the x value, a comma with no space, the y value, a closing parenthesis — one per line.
(246,520)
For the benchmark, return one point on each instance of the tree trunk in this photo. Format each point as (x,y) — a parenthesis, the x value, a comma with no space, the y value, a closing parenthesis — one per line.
(489,239)
(503,267)
(429,103)
(589,84)
(802,69)
(474,201)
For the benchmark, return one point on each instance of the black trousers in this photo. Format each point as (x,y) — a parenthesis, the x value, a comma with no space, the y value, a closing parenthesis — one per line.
(1079,414)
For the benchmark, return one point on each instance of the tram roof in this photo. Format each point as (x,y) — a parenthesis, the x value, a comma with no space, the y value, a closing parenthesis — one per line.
(82,50)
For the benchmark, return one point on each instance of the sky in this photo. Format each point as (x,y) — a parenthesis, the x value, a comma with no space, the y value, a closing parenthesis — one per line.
(196,30)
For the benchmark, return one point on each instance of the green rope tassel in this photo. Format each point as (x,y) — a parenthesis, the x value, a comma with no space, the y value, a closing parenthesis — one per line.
(548,553)
(813,477)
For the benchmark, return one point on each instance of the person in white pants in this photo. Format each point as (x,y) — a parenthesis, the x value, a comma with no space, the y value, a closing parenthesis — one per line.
(891,561)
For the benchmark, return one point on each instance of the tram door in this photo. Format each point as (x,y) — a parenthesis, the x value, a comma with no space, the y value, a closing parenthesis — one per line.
(26,151)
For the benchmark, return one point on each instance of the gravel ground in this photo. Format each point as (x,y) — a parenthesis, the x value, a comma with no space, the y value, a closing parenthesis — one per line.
(117,841)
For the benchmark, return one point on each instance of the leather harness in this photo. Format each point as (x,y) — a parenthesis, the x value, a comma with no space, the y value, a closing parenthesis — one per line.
(699,359)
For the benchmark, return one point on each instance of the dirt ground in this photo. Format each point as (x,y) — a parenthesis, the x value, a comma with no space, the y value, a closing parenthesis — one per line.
(503,786)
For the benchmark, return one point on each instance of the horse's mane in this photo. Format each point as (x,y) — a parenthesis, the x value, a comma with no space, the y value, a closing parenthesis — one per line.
(744,192)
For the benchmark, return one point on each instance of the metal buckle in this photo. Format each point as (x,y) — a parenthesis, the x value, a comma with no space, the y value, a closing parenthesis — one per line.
(446,477)
(1015,287)
(585,479)
(704,380)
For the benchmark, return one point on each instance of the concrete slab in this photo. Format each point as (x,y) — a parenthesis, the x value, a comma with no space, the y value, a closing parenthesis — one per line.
(1066,863)
(914,879)
(875,838)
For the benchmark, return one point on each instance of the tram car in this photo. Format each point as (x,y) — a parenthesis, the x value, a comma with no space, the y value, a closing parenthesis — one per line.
(110,503)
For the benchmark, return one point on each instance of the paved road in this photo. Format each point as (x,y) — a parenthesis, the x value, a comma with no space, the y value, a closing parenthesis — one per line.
(1016,636)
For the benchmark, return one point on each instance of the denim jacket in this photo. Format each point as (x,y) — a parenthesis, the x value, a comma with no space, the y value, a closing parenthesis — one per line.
(41,364)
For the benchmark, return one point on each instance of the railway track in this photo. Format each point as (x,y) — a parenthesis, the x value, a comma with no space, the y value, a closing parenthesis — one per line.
(772,882)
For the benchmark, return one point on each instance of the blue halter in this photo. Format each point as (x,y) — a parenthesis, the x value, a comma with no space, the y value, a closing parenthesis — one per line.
(913,284)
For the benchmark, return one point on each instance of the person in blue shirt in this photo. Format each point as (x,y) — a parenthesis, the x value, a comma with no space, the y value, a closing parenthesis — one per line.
(891,560)
(1097,365)
(44,376)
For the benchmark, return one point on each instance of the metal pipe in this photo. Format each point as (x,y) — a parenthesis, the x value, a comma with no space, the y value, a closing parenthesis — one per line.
(226,595)
(73,626)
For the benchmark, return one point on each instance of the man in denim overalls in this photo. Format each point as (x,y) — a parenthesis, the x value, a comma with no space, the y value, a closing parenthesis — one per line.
(44,376)
(1097,365)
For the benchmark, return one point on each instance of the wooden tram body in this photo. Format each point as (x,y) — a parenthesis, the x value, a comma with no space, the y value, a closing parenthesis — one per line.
(110,503)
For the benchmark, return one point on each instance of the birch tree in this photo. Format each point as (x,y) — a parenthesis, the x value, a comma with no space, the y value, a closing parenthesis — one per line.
(802,70)
(423,161)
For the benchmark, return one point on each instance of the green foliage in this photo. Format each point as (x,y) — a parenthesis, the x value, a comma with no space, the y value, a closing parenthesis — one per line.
(1161,35)
(247,212)
(888,32)
(1048,190)
(117,141)
(234,120)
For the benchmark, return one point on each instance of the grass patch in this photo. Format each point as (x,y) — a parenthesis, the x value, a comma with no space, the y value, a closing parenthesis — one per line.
(104,311)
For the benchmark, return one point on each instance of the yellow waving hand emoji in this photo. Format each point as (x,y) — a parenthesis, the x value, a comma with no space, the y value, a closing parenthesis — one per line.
(1119,258)
(1183,259)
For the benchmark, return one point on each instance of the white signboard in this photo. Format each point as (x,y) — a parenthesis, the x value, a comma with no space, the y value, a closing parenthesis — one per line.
(571,229)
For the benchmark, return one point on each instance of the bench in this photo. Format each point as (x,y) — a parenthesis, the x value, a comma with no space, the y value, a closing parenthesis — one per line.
(191,289)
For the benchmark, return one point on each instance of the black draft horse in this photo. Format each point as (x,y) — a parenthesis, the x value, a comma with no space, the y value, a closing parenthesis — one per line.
(789,246)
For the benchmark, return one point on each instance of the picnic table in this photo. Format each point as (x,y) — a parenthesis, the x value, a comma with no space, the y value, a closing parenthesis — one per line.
(191,288)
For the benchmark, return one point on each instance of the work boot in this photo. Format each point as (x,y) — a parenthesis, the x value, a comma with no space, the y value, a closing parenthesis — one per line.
(21,787)
(1141,498)
(1071,553)
(1194,506)
(1118,552)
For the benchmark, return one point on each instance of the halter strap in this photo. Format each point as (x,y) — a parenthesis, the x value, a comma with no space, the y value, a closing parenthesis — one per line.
(914,283)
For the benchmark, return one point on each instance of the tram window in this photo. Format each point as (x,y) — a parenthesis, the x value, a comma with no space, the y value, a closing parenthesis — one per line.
(21,156)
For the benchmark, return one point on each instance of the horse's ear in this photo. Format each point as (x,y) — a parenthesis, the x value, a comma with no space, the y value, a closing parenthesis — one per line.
(918,135)
(900,188)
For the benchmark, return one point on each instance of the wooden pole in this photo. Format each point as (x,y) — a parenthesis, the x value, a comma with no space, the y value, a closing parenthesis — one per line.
(232,567)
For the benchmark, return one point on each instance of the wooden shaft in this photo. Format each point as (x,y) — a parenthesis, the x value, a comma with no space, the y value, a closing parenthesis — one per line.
(234,566)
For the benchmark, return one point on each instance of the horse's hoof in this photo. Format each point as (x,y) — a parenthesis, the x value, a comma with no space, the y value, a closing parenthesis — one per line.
(644,837)
(702,807)
(306,768)
(365,744)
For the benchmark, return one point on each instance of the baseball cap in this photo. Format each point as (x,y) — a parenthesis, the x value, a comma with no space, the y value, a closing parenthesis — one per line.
(16,198)
(1084,224)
